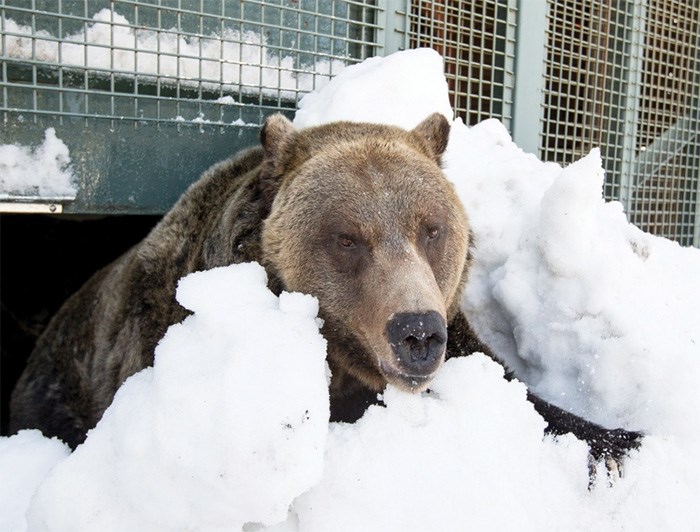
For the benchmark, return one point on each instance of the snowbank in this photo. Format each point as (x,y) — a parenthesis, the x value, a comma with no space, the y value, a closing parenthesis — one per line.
(448,460)
(241,60)
(25,460)
(227,427)
(43,171)
(595,314)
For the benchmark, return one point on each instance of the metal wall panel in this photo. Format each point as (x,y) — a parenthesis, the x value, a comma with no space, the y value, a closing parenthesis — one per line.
(147,94)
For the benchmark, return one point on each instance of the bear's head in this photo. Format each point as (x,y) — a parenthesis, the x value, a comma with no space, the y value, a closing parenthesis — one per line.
(363,218)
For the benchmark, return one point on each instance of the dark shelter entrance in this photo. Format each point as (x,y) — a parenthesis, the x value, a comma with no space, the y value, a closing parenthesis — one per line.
(43,260)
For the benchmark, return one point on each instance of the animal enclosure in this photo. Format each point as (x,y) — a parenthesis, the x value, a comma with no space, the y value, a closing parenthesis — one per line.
(147,94)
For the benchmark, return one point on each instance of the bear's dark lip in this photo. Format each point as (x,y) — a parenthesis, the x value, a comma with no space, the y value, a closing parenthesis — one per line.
(412,381)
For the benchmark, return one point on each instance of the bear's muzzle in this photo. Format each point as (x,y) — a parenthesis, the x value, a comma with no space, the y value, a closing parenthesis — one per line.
(418,341)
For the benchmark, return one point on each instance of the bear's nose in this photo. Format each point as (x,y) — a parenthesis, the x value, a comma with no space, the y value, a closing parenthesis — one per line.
(418,340)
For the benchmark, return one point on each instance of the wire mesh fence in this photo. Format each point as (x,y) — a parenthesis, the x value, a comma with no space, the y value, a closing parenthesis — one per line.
(665,173)
(477,41)
(621,76)
(198,61)
(624,76)
(147,94)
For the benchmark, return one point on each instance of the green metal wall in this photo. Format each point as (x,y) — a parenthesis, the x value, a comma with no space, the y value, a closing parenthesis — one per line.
(147,94)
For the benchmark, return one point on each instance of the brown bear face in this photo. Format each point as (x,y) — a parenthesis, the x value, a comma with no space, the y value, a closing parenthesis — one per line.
(364,220)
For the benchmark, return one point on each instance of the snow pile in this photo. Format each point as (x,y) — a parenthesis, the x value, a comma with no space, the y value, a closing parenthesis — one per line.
(241,61)
(25,460)
(372,83)
(449,460)
(227,427)
(597,315)
(43,171)
(230,426)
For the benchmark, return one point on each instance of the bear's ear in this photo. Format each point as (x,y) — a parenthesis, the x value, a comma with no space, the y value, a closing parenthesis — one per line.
(274,135)
(276,138)
(435,131)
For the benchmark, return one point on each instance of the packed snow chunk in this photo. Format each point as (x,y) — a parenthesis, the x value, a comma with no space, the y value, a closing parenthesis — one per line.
(43,171)
(471,454)
(202,294)
(572,217)
(227,428)
(25,460)
(501,187)
(401,89)
(597,316)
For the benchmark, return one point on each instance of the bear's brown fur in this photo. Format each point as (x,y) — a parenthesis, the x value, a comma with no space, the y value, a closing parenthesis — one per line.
(358,215)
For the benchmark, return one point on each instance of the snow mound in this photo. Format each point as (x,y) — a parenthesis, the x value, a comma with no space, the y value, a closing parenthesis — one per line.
(447,460)
(43,171)
(227,427)
(596,315)
(25,460)
(413,79)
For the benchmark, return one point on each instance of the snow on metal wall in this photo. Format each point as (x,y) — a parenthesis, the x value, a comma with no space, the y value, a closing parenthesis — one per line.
(178,60)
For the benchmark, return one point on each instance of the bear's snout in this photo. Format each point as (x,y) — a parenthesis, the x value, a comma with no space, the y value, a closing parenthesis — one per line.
(418,341)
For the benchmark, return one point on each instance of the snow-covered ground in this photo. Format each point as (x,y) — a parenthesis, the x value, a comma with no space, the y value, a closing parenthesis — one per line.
(229,430)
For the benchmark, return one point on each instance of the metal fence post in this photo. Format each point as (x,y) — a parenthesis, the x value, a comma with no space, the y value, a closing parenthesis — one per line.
(530,53)
(392,34)
(635,67)
(696,119)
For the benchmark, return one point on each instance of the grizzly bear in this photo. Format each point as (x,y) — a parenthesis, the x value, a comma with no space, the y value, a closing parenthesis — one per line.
(358,215)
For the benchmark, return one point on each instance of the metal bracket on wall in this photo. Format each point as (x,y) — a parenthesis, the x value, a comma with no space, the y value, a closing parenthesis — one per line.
(24,207)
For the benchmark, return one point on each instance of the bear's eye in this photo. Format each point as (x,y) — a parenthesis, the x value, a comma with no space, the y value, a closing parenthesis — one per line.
(346,242)
(433,233)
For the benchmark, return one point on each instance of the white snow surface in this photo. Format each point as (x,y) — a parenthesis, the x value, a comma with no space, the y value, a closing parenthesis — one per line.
(199,442)
(379,90)
(242,61)
(25,460)
(229,430)
(42,171)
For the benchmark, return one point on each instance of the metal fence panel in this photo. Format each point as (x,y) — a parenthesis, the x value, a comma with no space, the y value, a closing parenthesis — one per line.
(148,93)
(665,170)
(624,76)
(477,41)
